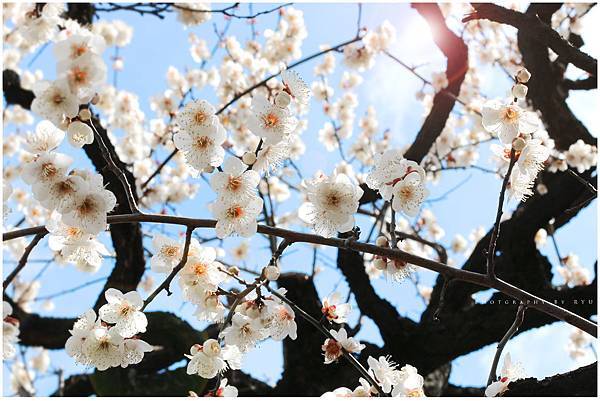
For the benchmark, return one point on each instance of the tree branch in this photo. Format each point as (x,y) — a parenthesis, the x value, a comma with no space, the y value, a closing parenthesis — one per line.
(537,31)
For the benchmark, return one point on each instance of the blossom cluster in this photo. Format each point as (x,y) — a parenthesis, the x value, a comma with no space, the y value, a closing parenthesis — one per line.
(253,320)
(110,339)
(78,196)
(517,128)
(404,382)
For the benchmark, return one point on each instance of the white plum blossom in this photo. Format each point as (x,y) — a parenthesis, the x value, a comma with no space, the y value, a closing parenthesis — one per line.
(237,217)
(45,168)
(439,81)
(201,272)
(581,156)
(133,351)
(510,372)
(363,390)
(82,329)
(540,238)
(202,146)
(384,371)
(124,311)
(270,122)
(45,138)
(332,202)
(532,157)
(79,45)
(74,246)
(167,254)
(348,343)
(208,306)
(54,101)
(225,390)
(84,75)
(520,185)
(41,361)
(410,383)
(102,347)
(192,14)
(283,323)
(334,310)
(270,157)
(399,180)
(332,350)
(572,272)
(209,359)
(508,120)
(243,332)
(579,344)
(380,39)
(295,86)
(196,115)
(88,209)
(409,194)
(59,194)
(235,181)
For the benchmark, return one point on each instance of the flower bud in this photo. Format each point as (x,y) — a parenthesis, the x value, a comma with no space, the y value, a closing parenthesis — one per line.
(283,99)
(249,158)
(519,91)
(85,114)
(234,270)
(380,264)
(271,272)
(523,75)
(542,189)
(211,347)
(381,241)
(118,64)
(519,144)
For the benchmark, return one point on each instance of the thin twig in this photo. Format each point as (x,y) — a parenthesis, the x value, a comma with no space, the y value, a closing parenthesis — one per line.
(511,331)
(23,260)
(115,169)
(496,231)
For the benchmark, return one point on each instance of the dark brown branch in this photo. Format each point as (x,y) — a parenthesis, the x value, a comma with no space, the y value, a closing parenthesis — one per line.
(582,382)
(456,54)
(581,84)
(537,31)
(13,92)
(461,275)
(545,85)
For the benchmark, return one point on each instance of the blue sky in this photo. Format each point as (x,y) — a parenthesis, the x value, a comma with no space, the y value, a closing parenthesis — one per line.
(157,44)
